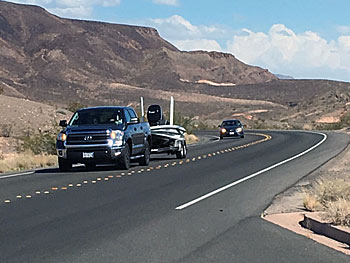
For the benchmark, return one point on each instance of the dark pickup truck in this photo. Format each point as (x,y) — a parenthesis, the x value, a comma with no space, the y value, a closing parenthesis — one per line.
(103,135)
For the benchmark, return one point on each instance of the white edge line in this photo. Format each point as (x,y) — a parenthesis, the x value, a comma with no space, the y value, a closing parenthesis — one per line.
(15,175)
(252,175)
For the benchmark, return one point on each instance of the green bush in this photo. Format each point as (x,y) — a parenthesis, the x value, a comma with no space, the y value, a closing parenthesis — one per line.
(6,130)
(183,121)
(42,142)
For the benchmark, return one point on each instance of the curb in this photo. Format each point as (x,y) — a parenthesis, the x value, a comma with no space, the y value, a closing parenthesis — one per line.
(326,229)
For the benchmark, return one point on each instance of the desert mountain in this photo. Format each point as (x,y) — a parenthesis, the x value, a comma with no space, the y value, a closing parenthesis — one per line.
(53,60)
(45,57)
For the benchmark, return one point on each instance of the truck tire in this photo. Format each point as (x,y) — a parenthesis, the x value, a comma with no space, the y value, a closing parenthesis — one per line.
(144,161)
(64,165)
(124,162)
(182,153)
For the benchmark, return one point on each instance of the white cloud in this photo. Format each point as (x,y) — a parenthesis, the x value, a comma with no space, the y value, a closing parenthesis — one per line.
(32,2)
(345,30)
(305,55)
(187,36)
(74,12)
(166,2)
(197,44)
(71,8)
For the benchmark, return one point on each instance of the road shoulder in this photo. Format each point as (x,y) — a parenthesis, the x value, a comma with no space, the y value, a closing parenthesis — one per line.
(287,209)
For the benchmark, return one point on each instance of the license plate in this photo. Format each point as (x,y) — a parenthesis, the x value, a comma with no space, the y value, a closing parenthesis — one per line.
(232,133)
(88,155)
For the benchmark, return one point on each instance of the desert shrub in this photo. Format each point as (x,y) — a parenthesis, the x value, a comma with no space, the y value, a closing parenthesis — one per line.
(1,90)
(338,212)
(332,196)
(6,130)
(42,142)
(184,121)
(74,106)
(27,160)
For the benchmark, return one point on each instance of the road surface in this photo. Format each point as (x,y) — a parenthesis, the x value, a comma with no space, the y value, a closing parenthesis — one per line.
(205,208)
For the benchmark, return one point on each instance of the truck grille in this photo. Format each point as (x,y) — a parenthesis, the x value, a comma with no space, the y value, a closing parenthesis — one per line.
(88,137)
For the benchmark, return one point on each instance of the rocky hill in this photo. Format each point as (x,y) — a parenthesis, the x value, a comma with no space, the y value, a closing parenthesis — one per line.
(47,58)
(57,61)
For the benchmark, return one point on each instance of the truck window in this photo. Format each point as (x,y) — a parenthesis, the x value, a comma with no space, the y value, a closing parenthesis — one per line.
(97,117)
(132,113)
(127,116)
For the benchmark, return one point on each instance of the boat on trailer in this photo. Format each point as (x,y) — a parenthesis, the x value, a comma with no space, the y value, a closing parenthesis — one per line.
(166,137)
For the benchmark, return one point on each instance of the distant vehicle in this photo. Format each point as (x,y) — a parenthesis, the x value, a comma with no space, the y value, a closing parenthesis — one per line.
(103,135)
(231,128)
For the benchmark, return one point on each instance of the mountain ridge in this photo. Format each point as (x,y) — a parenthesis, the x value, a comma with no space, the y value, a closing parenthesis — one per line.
(51,53)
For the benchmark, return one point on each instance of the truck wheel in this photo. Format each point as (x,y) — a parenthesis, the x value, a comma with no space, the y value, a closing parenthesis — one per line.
(124,162)
(182,153)
(64,165)
(146,155)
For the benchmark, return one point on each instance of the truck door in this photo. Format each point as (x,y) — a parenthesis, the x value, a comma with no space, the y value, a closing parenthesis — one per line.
(140,133)
(133,130)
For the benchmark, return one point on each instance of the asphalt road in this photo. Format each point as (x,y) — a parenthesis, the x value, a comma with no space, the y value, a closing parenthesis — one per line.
(137,216)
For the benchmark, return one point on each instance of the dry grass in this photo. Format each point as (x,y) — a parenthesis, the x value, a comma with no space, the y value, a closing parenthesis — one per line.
(338,212)
(331,195)
(191,138)
(311,203)
(26,161)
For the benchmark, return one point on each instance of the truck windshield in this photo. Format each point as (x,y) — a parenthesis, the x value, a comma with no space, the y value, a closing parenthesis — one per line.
(97,117)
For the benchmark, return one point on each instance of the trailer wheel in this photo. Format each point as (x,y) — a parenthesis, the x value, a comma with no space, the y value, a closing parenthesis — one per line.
(144,161)
(183,152)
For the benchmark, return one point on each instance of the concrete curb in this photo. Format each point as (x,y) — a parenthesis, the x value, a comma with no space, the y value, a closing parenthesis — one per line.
(326,229)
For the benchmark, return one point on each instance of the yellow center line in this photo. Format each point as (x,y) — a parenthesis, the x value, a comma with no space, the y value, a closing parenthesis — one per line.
(267,138)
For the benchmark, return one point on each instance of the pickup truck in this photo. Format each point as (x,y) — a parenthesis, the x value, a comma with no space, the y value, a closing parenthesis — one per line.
(103,135)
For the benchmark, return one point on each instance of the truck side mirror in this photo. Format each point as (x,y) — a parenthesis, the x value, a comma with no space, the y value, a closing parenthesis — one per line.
(63,123)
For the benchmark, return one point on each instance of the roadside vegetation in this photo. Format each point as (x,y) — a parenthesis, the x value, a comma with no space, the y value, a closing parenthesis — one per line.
(332,196)
(26,161)
(35,149)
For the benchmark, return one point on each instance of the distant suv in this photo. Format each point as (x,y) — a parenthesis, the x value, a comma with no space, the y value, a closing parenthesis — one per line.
(103,135)
(231,128)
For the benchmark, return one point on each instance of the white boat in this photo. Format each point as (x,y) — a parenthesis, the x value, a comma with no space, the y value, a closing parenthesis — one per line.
(166,137)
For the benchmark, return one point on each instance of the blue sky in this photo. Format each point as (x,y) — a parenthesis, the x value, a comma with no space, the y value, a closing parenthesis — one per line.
(301,38)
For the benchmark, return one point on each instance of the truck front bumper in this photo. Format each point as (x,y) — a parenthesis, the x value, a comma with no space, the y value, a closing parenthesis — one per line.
(91,154)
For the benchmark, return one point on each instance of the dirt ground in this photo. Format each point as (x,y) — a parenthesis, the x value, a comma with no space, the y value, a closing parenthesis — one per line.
(18,115)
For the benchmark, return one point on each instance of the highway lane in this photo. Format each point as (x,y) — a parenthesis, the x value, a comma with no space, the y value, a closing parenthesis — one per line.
(132,217)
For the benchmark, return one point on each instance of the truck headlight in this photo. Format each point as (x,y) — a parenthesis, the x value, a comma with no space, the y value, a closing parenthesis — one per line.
(62,137)
(117,137)
(239,129)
